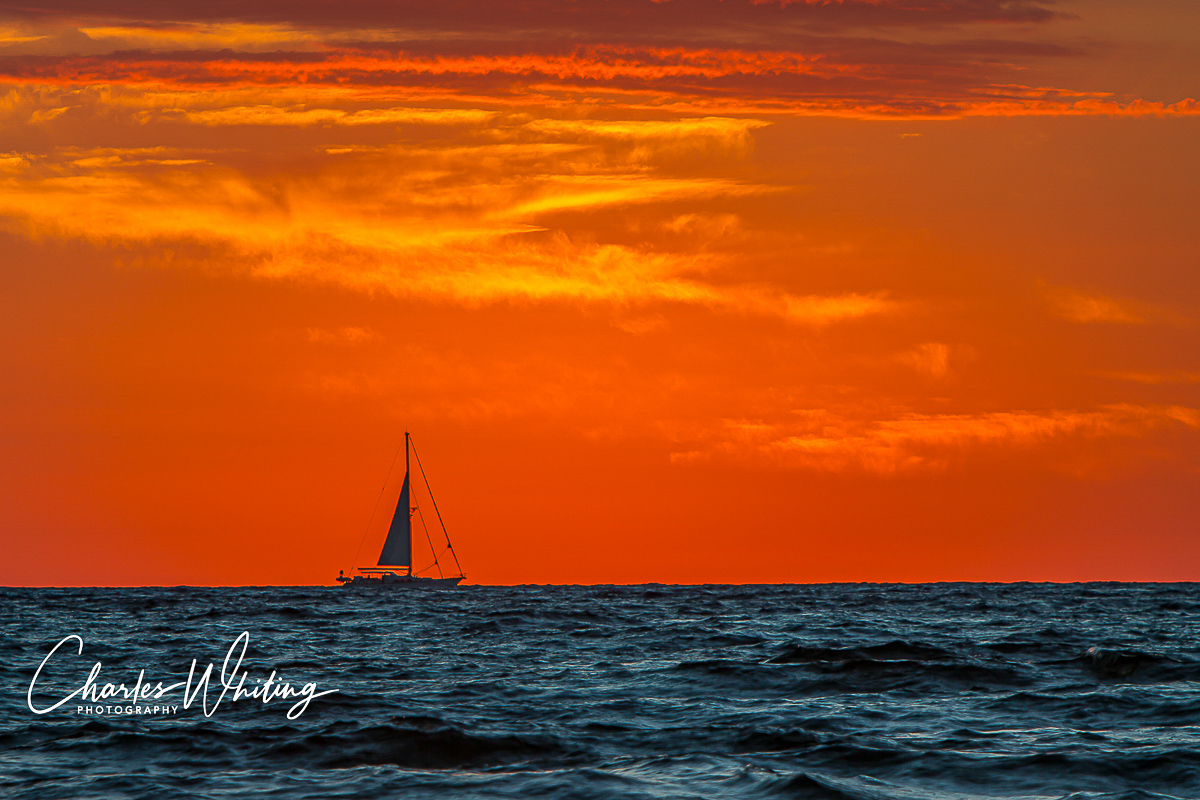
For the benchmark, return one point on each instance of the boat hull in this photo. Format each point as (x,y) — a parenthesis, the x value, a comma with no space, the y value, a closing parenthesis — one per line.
(400,582)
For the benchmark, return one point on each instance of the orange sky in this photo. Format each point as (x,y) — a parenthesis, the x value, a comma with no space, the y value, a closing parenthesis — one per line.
(887,290)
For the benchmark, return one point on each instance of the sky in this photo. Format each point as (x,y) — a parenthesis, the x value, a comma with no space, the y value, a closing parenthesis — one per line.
(691,291)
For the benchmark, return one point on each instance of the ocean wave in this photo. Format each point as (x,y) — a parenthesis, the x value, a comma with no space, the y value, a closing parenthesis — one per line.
(419,743)
(939,692)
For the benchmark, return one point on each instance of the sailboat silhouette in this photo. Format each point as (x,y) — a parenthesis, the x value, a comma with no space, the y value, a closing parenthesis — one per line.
(395,565)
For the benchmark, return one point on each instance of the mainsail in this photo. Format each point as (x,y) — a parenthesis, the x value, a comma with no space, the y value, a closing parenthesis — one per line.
(397,549)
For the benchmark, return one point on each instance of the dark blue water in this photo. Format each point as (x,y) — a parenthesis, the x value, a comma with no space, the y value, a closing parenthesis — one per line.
(840,691)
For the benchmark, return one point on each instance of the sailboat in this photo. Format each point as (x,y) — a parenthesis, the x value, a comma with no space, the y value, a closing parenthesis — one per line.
(395,567)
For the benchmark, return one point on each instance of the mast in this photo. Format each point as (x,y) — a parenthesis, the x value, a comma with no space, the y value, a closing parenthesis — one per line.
(407,510)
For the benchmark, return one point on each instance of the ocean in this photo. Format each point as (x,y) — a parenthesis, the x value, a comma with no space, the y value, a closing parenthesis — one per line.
(832,692)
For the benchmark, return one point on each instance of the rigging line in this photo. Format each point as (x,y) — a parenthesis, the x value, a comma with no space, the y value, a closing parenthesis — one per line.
(376,508)
(429,539)
(439,513)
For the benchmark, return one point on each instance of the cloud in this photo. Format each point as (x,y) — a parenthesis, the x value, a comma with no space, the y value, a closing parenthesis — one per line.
(824,440)
(12,161)
(821,309)
(174,35)
(1084,308)
(569,192)
(1153,378)
(1090,309)
(641,325)
(413,221)
(936,360)
(732,132)
(629,18)
(16,34)
(275,115)
(348,335)
(511,270)
(745,69)
(931,358)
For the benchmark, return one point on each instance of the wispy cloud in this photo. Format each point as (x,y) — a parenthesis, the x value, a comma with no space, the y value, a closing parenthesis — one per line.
(824,440)
(1152,378)
(1095,308)
(858,58)
(709,80)
(413,222)
(276,115)
(602,18)
(930,358)
(348,335)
